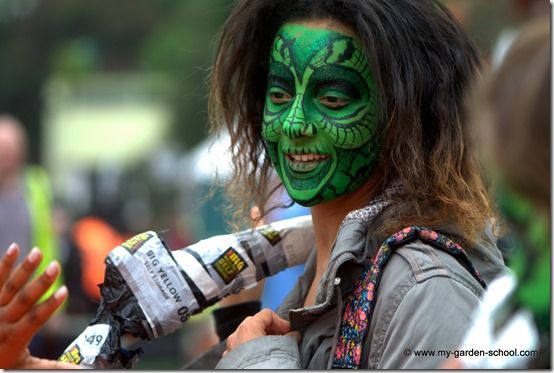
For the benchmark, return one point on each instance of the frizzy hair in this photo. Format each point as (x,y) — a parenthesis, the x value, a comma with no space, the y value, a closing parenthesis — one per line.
(422,63)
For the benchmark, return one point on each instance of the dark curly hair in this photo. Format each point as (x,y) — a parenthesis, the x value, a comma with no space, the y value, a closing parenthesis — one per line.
(423,63)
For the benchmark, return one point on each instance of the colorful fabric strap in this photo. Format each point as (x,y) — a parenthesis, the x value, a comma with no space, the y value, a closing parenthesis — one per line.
(359,304)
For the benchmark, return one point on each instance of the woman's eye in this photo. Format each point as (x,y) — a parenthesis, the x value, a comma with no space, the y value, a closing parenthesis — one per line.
(333,102)
(279,98)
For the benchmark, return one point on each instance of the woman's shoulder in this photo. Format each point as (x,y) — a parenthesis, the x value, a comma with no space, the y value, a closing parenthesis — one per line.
(418,267)
(421,254)
(427,292)
(420,262)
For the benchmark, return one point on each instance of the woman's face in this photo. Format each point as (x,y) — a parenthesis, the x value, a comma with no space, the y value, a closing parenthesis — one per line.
(319,114)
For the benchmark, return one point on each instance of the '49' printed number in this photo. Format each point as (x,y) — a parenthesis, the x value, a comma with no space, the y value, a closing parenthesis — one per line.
(95,339)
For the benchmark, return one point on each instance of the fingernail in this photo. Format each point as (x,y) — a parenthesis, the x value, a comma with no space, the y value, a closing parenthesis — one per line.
(52,269)
(34,256)
(12,249)
(60,293)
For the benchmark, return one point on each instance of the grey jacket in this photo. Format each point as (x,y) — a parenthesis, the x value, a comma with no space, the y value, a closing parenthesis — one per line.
(424,302)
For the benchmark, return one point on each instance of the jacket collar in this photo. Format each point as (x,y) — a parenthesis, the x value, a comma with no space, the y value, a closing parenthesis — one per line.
(351,244)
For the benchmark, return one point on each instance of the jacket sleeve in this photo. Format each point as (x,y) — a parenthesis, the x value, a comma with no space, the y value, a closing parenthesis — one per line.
(269,352)
(429,322)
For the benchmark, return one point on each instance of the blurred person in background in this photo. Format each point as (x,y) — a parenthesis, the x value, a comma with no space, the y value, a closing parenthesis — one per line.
(512,119)
(25,197)
(522,12)
(26,215)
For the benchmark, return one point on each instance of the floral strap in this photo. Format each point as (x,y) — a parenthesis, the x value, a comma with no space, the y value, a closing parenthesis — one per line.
(359,304)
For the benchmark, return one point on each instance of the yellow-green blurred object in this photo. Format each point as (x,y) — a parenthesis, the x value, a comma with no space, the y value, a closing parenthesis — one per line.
(39,201)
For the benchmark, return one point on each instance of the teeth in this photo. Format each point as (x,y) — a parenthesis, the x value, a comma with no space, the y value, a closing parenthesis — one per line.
(307,157)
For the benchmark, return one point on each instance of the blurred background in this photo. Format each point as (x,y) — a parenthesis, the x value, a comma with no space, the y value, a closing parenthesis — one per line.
(113,98)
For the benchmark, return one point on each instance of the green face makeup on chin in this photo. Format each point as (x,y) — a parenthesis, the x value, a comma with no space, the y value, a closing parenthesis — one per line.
(319,114)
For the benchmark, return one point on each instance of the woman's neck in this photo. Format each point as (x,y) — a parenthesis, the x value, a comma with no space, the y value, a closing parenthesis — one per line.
(328,216)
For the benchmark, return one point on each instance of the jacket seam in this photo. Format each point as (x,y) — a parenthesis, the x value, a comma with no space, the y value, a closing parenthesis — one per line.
(375,359)
(258,359)
(442,270)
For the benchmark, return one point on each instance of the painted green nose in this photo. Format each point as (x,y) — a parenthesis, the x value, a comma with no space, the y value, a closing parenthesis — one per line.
(295,124)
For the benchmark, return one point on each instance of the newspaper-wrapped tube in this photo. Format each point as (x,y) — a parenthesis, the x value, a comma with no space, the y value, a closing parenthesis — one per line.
(149,291)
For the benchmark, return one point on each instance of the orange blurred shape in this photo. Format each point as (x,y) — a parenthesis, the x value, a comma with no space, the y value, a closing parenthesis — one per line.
(95,238)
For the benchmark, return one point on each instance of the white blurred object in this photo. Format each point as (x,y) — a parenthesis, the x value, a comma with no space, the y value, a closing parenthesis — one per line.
(210,158)
(518,334)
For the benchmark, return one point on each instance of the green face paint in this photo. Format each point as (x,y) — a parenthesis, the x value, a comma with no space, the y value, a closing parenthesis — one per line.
(319,114)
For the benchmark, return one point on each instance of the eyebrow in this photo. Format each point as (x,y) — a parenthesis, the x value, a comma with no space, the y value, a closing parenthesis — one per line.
(341,85)
(280,81)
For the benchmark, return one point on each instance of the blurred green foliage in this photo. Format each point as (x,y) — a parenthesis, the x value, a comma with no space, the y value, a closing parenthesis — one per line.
(41,38)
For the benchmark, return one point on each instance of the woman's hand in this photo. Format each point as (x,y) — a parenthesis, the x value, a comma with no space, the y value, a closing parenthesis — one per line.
(265,322)
(20,315)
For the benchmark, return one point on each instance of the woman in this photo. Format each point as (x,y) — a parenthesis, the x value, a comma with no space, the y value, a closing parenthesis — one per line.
(358,105)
